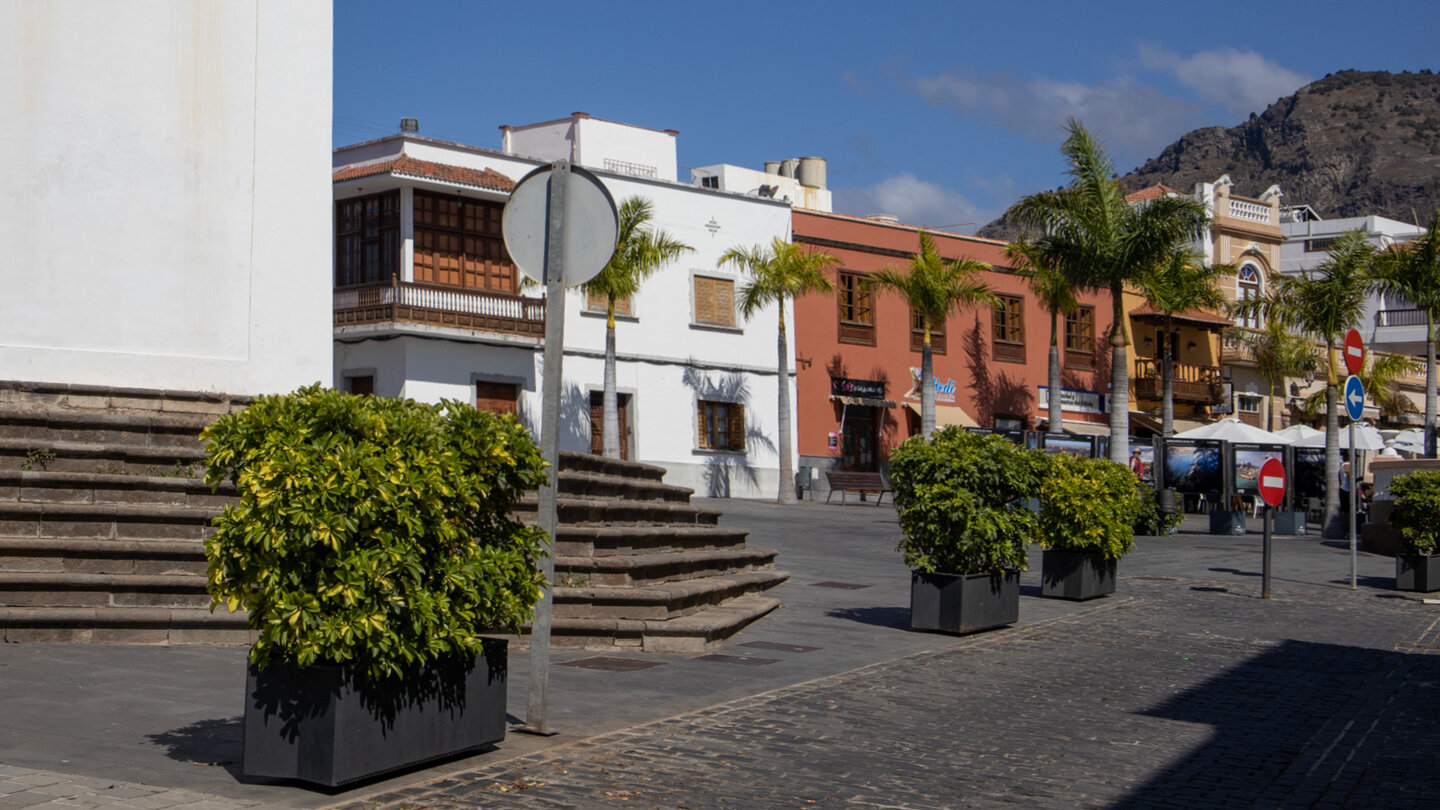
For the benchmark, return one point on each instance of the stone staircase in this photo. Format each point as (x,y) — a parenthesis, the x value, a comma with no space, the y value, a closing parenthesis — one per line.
(103,516)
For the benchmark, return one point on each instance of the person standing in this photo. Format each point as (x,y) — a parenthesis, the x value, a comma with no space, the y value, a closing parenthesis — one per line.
(1137,465)
(1345,484)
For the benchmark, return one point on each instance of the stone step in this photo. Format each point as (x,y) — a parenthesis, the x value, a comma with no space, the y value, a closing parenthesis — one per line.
(131,625)
(93,457)
(88,556)
(586,462)
(661,601)
(100,591)
(592,485)
(63,396)
(594,512)
(127,428)
(604,541)
(652,569)
(78,487)
(695,632)
(106,520)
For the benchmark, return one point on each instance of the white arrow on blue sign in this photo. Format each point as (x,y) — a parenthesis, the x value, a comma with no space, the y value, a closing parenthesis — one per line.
(1354,397)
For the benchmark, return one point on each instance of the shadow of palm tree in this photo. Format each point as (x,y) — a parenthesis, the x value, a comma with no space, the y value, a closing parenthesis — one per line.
(725,469)
(994,393)
(879,616)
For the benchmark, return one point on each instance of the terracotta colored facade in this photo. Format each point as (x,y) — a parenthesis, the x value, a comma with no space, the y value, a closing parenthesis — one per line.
(857,383)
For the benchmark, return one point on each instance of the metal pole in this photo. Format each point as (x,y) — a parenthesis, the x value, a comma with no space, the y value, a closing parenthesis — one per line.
(1265,577)
(538,694)
(1354,555)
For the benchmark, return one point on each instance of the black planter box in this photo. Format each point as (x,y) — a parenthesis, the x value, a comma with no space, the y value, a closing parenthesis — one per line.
(1227,522)
(324,725)
(1417,572)
(963,603)
(1076,575)
(1289,522)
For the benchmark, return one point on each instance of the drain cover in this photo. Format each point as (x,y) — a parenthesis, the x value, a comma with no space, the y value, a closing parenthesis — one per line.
(742,660)
(610,664)
(778,647)
(844,586)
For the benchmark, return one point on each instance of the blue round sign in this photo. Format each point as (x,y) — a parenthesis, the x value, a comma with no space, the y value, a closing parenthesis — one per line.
(1354,397)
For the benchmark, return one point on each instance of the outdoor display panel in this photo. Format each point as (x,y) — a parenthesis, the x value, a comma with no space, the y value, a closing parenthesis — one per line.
(1083,446)
(1309,472)
(1248,460)
(1193,466)
(1147,455)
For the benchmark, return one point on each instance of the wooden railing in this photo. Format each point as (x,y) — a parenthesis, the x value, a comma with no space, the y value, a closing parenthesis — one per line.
(411,302)
(1190,382)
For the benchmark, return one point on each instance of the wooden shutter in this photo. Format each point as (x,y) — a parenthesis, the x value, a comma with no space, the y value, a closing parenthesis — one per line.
(714,301)
(597,422)
(496,397)
(735,415)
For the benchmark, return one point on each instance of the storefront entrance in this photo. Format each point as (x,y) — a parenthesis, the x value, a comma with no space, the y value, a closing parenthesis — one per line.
(857,440)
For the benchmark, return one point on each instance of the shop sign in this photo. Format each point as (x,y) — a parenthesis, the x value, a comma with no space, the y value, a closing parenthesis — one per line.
(944,389)
(1074,400)
(846,387)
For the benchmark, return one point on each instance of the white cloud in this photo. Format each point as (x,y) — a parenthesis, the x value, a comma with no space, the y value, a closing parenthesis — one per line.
(1242,80)
(1131,117)
(914,202)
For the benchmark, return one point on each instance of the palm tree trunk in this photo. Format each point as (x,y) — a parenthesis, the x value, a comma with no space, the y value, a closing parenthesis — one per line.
(927,389)
(1332,447)
(1429,385)
(787,464)
(610,402)
(1054,378)
(1167,384)
(1119,381)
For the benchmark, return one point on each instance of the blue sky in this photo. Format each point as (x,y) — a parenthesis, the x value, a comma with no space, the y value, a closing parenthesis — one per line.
(942,113)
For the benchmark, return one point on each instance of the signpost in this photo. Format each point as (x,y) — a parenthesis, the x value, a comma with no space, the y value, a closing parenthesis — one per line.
(1354,407)
(560,228)
(1272,492)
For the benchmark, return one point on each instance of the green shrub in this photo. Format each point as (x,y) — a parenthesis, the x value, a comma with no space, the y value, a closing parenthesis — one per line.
(370,530)
(1088,504)
(960,497)
(1416,513)
(1151,522)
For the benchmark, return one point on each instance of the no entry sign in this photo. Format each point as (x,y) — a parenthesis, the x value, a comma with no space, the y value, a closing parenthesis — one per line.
(1354,351)
(1272,482)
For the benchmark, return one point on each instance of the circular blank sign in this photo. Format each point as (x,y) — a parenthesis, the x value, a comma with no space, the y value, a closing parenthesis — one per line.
(590,223)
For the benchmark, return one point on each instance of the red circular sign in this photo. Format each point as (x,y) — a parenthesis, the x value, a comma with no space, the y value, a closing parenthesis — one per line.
(1354,352)
(1272,482)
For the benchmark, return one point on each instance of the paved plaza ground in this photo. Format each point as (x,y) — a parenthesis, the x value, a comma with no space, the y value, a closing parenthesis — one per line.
(1182,690)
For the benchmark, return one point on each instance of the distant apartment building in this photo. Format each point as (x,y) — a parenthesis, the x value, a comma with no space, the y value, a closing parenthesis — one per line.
(428,304)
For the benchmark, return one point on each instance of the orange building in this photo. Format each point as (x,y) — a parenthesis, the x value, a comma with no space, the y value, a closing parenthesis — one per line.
(857,356)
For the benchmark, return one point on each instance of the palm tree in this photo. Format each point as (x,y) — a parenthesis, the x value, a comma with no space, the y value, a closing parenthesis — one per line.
(781,273)
(1412,269)
(1056,294)
(933,286)
(1181,282)
(1380,383)
(1323,303)
(639,252)
(1279,354)
(1093,235)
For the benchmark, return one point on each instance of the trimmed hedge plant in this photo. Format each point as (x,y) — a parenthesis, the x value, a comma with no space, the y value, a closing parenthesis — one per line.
(1088,505)
(372,531)
(1416,512)
(960,497)
(1151,521)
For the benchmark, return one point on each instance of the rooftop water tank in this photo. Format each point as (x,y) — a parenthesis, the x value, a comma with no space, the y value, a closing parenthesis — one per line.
(812,172)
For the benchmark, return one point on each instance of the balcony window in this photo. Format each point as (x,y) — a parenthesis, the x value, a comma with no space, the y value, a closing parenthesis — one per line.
(721,425)
(458,244)
(714,301)
(596,303)
(857,311)
(367,239)
(1009,329)
(1080,339)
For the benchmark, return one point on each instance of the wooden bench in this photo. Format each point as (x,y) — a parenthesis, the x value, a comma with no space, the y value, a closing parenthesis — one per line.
(862,482)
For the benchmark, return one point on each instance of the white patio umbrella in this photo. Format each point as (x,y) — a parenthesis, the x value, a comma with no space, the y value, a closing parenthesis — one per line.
(1367,437)
(1411,441)
(1297,432)
(1233,430)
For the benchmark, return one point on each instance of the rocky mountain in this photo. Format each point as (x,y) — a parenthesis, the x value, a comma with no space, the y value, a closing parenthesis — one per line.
(1351,144)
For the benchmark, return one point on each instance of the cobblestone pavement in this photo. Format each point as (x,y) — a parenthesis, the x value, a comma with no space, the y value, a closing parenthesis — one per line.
(1177,693)
(44,790)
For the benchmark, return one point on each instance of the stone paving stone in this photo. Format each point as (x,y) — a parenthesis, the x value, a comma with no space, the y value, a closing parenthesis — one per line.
(1180,694)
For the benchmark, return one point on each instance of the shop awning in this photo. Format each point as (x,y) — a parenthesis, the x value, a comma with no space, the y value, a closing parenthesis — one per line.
(864,402)
(946,415)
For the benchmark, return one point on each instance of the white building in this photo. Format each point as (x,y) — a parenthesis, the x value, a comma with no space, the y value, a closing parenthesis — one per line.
(428,305)
(167,205)
(1389,323)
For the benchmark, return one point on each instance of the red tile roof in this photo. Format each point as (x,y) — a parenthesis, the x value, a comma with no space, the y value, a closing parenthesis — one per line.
(486,178)
(1150,193)
(1196,317)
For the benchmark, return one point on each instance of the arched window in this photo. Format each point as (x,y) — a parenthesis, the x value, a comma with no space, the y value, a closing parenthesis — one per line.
(1248,289)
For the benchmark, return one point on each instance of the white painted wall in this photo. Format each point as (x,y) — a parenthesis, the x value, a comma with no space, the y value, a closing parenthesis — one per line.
(590,142)
(167,217)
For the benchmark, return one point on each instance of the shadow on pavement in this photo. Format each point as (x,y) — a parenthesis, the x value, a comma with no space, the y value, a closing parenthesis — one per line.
(879,616)
(206,742)
(1306,725)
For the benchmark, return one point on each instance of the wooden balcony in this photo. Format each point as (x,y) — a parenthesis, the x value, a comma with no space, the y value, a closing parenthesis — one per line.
(435,305)
(1190,383)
